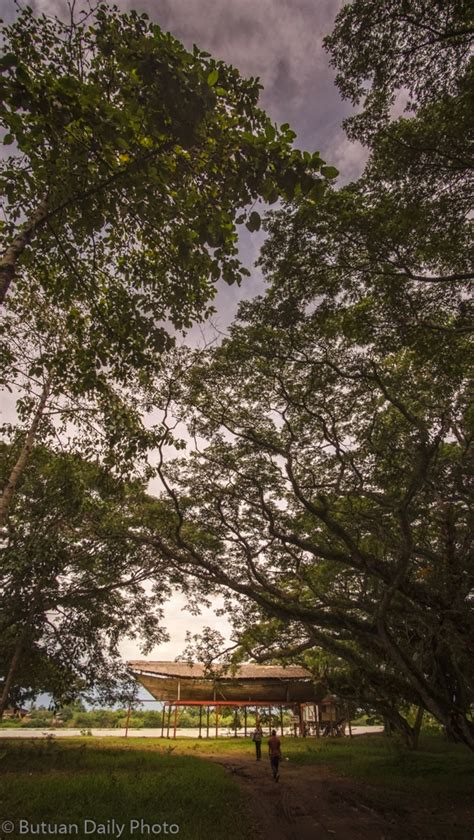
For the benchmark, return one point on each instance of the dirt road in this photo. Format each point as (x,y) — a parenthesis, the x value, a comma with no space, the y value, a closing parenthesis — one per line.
(311,803)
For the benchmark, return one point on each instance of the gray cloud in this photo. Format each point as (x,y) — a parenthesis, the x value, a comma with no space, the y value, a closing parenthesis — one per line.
(280,41)
(277,40)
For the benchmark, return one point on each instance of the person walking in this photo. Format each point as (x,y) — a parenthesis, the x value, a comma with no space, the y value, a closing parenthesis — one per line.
(274,751)
(257,739)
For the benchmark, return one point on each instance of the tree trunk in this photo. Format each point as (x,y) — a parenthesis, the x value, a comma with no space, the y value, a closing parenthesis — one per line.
(12,670)
(454,719)
(461,729)
(387,726)
(398,723)
(417,726)
(15,475)
(14,251)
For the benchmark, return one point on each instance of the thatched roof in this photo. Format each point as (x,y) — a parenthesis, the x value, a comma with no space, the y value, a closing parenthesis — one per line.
(249,682)
(195,670)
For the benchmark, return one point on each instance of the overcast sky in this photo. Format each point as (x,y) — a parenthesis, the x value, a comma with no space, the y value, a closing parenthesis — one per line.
(281,42)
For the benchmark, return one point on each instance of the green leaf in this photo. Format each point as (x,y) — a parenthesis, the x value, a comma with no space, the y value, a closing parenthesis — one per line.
(254,222)
(8,60)
(329,171)
(8,139)
(269,132)
(317,192)
(213,77)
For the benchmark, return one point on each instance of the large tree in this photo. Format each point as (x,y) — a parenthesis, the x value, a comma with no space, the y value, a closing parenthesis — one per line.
(333,493)
(132,158)
(72,585)
(333,431)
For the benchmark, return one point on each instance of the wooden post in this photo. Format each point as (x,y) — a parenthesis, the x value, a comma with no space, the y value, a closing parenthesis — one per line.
(281,719)
(128,719)
(163,720)
(208,713)
(217,721)
(169,721)
(316,712)
(245,721)
(175,720)
(301,719)
(200,721)
(348,716)
(269,720)
(236,714)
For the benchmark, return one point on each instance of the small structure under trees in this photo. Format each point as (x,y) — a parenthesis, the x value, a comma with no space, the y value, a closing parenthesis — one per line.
(265,690)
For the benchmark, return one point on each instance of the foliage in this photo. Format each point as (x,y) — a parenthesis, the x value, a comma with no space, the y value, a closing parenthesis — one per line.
(382,48)
(342,510)
(332,430)
(131,160)
(72,585)
(131,166)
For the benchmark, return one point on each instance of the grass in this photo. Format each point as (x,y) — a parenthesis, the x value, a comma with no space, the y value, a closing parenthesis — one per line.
(438,767)
(80,779)
(68,780)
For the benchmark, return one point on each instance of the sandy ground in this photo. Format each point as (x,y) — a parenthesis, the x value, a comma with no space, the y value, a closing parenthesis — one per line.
(136,733)
(312,803)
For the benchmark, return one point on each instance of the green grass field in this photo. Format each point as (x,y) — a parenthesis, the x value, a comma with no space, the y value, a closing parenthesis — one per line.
(67,781)
(70,781)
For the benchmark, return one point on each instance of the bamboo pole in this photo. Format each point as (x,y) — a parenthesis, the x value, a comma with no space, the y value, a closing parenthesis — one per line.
(128,719)
(163,720)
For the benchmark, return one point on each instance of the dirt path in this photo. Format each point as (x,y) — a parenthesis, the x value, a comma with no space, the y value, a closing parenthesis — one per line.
(311,803)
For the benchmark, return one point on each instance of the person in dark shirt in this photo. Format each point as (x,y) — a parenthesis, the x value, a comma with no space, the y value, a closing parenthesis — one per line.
(257,739)
(274,751)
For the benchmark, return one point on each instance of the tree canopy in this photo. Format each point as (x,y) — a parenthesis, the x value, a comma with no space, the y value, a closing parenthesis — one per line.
(133,159)
(133,162)
(72,585)
(325,491)
(388,48)
(332,429)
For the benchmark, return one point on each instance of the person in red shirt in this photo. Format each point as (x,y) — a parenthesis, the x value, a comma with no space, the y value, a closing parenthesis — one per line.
(274,751)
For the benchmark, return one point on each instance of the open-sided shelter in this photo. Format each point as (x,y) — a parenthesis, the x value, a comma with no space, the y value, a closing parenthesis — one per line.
(269,688)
